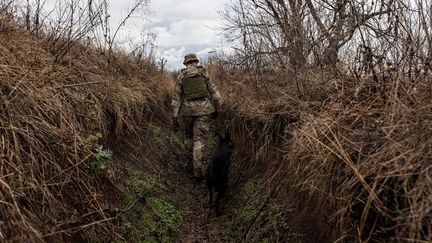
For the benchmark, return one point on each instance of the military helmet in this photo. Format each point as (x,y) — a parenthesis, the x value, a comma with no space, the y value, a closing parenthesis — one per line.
(191,57)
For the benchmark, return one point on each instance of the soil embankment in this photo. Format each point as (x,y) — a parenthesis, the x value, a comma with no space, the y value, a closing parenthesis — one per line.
(161,156)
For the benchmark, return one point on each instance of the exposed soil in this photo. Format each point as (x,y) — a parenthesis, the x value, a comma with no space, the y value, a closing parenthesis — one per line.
(201,224)
(201,221)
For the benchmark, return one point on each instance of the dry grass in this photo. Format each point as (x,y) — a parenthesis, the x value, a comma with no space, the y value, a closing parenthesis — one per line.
(360,160)
(48,112)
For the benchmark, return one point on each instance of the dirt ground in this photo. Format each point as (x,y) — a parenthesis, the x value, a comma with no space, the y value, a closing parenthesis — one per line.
(201,221)
(201,224)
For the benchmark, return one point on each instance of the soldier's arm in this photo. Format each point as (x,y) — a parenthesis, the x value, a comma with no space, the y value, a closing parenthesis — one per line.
(177,97)
(214,93)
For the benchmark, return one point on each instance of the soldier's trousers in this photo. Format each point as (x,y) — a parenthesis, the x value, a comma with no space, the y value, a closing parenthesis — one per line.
(196,129)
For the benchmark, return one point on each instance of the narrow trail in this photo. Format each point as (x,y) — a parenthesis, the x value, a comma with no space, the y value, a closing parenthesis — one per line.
(201,222)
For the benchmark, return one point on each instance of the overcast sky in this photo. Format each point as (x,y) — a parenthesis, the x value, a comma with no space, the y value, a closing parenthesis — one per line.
(181,26)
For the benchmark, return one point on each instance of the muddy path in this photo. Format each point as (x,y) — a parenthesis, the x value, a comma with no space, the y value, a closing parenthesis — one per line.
(202,224)
(172,174)
(248,214)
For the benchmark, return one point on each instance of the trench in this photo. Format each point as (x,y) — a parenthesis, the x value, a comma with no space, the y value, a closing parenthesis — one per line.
(171,172)
(62,182)
(152,166)
(150,179)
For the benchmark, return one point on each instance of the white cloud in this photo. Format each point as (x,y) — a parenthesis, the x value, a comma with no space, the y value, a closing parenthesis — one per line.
(181,26)
(186,32)
(174,10)
(205,52)
(187,25)
(174,57)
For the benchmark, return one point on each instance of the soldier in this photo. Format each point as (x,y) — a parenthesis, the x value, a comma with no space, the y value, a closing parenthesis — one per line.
(199,100)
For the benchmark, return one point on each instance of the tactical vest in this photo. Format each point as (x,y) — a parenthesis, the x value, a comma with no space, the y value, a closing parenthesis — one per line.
(194,85)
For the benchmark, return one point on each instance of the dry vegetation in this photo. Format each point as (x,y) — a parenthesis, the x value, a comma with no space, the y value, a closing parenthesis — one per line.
(62,96)
(361,164)
(336,106)
(330,100)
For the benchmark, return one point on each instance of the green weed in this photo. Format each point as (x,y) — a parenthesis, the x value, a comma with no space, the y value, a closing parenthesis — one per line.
(102,159)
(92,108)
(169,215)
(251,217)
(140,182)
(156,221)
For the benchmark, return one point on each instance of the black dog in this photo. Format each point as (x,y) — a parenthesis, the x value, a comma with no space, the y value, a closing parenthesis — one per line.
(217,170)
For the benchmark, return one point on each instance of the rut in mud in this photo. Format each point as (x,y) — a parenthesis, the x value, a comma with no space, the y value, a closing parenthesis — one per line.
(202,225)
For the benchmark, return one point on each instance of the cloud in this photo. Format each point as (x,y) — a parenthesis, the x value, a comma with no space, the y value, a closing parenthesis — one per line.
(174,57)
(181,26)
(185,32)
(185,26)
(174,10)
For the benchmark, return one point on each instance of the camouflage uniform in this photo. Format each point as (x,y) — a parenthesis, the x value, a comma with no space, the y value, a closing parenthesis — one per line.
(196,114)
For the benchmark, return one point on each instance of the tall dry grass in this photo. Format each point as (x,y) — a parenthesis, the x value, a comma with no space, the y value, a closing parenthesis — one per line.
(353,155)
(49,111)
